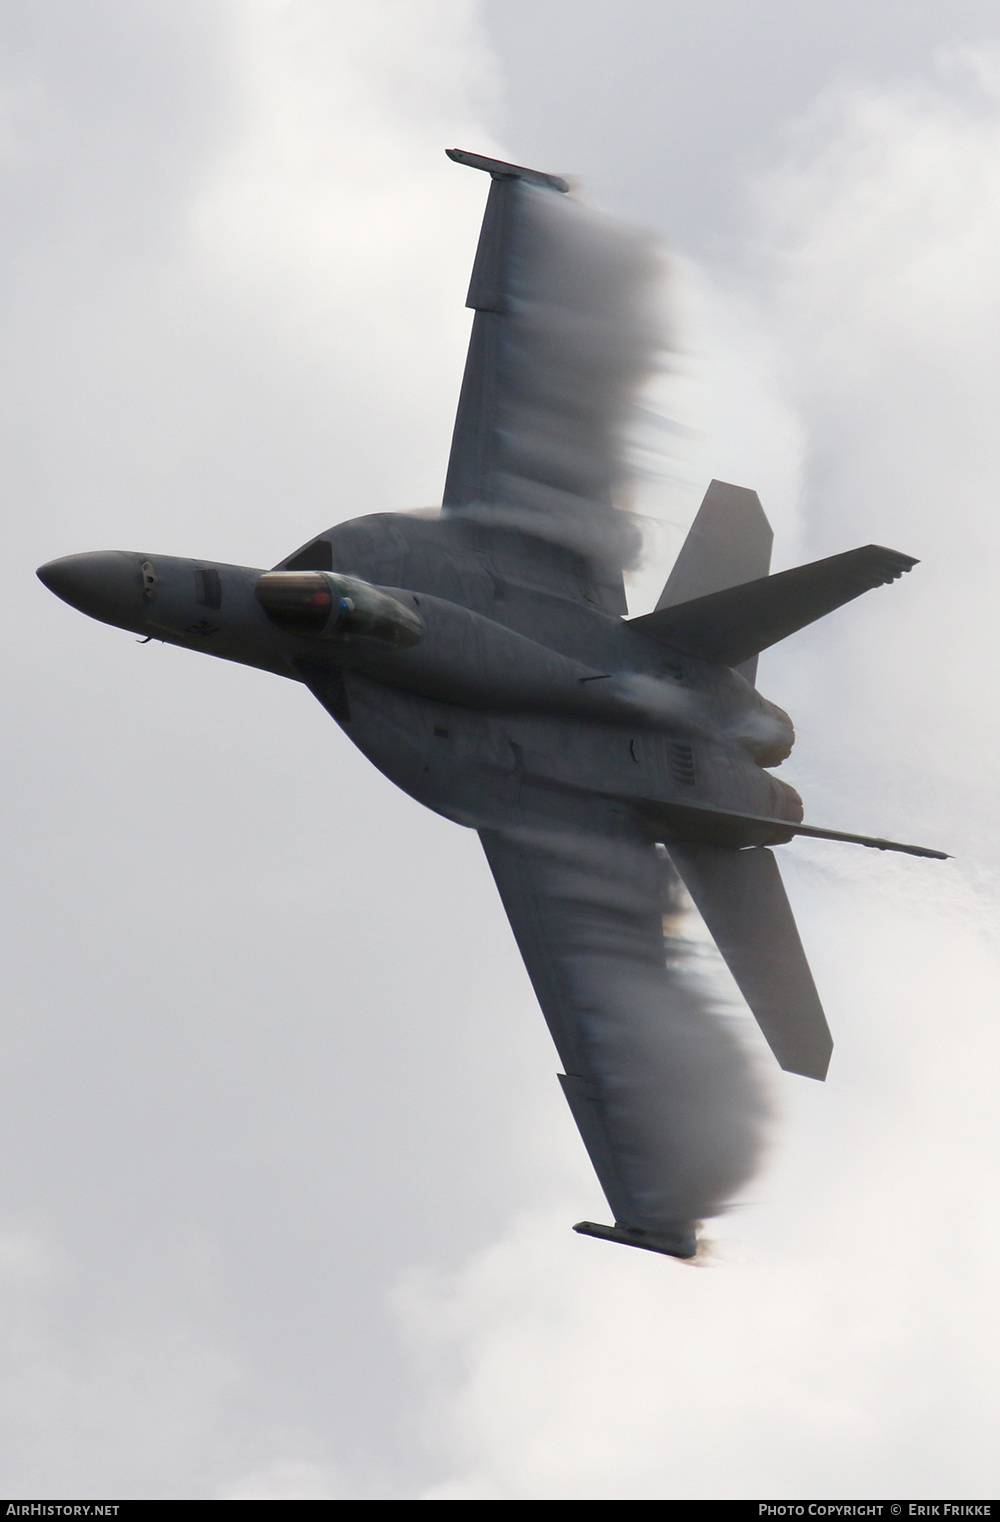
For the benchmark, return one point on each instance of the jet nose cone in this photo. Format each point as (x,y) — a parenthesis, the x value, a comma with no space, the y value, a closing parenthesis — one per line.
(105,584)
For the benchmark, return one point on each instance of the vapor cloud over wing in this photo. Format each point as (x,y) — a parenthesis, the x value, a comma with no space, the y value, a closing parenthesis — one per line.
(652,1064)
(583,329)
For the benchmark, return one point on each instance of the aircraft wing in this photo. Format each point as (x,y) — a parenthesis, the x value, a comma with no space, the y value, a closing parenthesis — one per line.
(563,335)
(657,1084)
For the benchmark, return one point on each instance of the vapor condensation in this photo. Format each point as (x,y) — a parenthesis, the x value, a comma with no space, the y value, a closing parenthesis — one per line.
(583,333)
(756,726)
(677,1090)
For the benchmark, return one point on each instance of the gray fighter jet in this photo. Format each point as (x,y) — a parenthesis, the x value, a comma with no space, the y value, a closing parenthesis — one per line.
(483,660)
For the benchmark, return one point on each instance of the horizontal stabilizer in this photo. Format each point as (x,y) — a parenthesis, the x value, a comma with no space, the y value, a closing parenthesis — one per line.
(733,625)
(742,900)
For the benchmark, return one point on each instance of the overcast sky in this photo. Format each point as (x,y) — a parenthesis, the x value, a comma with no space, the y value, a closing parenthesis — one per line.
(288,1177)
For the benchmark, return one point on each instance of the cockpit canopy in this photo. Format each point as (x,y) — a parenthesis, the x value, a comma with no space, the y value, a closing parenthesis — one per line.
(328,606)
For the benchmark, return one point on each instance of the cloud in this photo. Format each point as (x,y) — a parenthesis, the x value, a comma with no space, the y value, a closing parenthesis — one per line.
(234,264)
(844,1340)
(269,1050)
(286,1481)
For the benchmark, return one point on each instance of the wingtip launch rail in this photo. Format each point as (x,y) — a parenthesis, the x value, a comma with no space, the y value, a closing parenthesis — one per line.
(503,171)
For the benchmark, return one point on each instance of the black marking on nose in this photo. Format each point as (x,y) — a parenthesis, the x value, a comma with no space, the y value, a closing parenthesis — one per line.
(209,588)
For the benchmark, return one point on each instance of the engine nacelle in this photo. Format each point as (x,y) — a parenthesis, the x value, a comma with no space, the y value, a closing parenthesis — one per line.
(767,733)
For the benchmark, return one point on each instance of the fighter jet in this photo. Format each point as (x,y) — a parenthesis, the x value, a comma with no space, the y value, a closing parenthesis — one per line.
(484,660)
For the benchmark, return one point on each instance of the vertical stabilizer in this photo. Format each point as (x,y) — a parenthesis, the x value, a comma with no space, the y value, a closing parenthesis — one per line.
(728,543)
(742,900)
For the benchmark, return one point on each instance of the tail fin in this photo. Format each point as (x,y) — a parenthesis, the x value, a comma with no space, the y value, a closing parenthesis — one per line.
(728,543)
(742,900)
